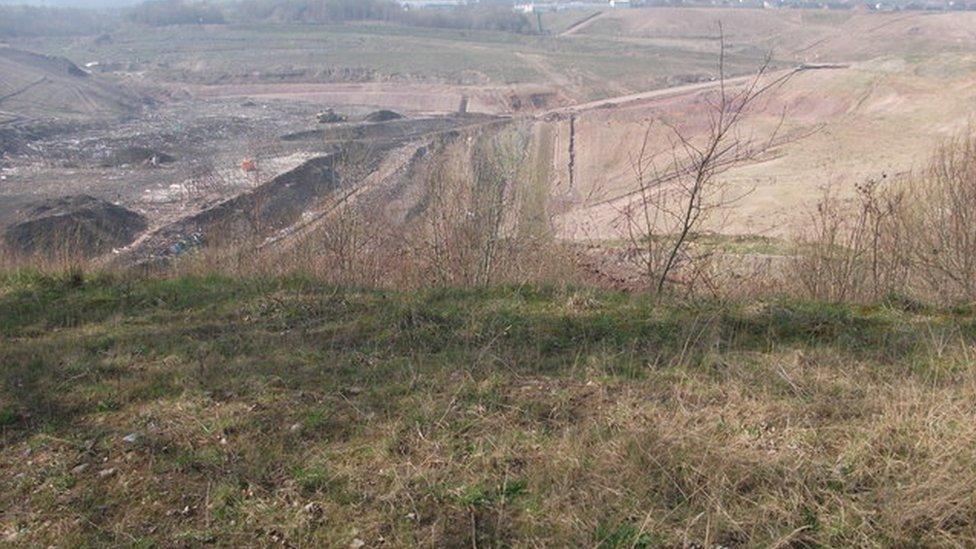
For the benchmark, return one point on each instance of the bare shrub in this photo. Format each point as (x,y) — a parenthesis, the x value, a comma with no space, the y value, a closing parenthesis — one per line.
(333,240)
(915,235)
(349,233)
(495,177)
(468,227)
(854,250)
(673,202)
(468,232)
(942,220)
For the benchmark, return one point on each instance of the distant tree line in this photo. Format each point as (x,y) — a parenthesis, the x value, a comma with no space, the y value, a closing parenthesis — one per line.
(22,21)
(312,11)
(470,18)
(337,11)
(25,21)
(161,13)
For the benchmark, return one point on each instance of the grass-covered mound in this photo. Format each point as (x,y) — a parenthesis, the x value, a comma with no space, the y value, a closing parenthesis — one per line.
(245,412)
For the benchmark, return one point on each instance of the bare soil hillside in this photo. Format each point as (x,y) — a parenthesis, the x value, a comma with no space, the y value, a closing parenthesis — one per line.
(842,126)
(42,86)
(803,35)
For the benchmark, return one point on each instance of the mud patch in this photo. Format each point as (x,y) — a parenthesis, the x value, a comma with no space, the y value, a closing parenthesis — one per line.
(393,130)
(383,116)
(76,226)
(532,101)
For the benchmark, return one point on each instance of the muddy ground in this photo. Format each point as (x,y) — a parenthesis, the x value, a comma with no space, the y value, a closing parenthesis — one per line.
(202,170)
(198,148)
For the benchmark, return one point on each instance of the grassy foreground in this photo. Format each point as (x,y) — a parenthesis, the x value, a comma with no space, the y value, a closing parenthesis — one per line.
(161,412)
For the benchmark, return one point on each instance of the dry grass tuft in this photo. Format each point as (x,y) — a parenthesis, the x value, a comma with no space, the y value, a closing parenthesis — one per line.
(906,239)
(286,411)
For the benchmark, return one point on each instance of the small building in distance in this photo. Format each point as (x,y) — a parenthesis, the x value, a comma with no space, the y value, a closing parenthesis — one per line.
(431,4)
(573,5)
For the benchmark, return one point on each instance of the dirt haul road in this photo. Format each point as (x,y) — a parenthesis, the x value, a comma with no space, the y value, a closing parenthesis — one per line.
(673,91)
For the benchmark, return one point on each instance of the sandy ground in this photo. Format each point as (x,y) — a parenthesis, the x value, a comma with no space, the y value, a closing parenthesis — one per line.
(843,126)
(804,35)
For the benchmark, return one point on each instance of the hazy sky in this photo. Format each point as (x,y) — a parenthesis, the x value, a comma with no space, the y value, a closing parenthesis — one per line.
(72,3)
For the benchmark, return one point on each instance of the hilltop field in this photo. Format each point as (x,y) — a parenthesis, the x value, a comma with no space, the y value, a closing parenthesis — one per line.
(286,412)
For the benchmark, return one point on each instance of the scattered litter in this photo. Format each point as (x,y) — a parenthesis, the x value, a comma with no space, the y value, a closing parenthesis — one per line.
(330,117)
(188,242)
(105,473)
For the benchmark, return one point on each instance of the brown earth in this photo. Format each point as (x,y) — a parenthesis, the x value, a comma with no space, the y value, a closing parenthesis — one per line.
(75,226)
(411,98)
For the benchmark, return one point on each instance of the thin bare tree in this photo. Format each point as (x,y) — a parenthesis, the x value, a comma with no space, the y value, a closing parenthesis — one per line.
(673,202)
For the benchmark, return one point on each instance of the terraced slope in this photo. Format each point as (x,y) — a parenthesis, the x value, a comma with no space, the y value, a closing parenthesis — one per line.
(34,86)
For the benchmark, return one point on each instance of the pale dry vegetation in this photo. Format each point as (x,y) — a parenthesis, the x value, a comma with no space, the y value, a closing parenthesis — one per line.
(912,236)
(273,404)
(467,228)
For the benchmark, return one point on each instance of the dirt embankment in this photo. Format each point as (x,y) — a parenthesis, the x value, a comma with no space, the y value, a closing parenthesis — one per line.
(252,216)
(404,98)
(75,226)
(34,86)
(393,129)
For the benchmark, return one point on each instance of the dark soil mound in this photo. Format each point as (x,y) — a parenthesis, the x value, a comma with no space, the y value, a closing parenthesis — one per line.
(393,130)
(10,140)
(74,226)
(136,156)
(382,116)
(264,211)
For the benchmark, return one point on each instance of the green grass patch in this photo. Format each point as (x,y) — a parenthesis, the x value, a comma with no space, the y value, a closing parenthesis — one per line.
(268,411)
